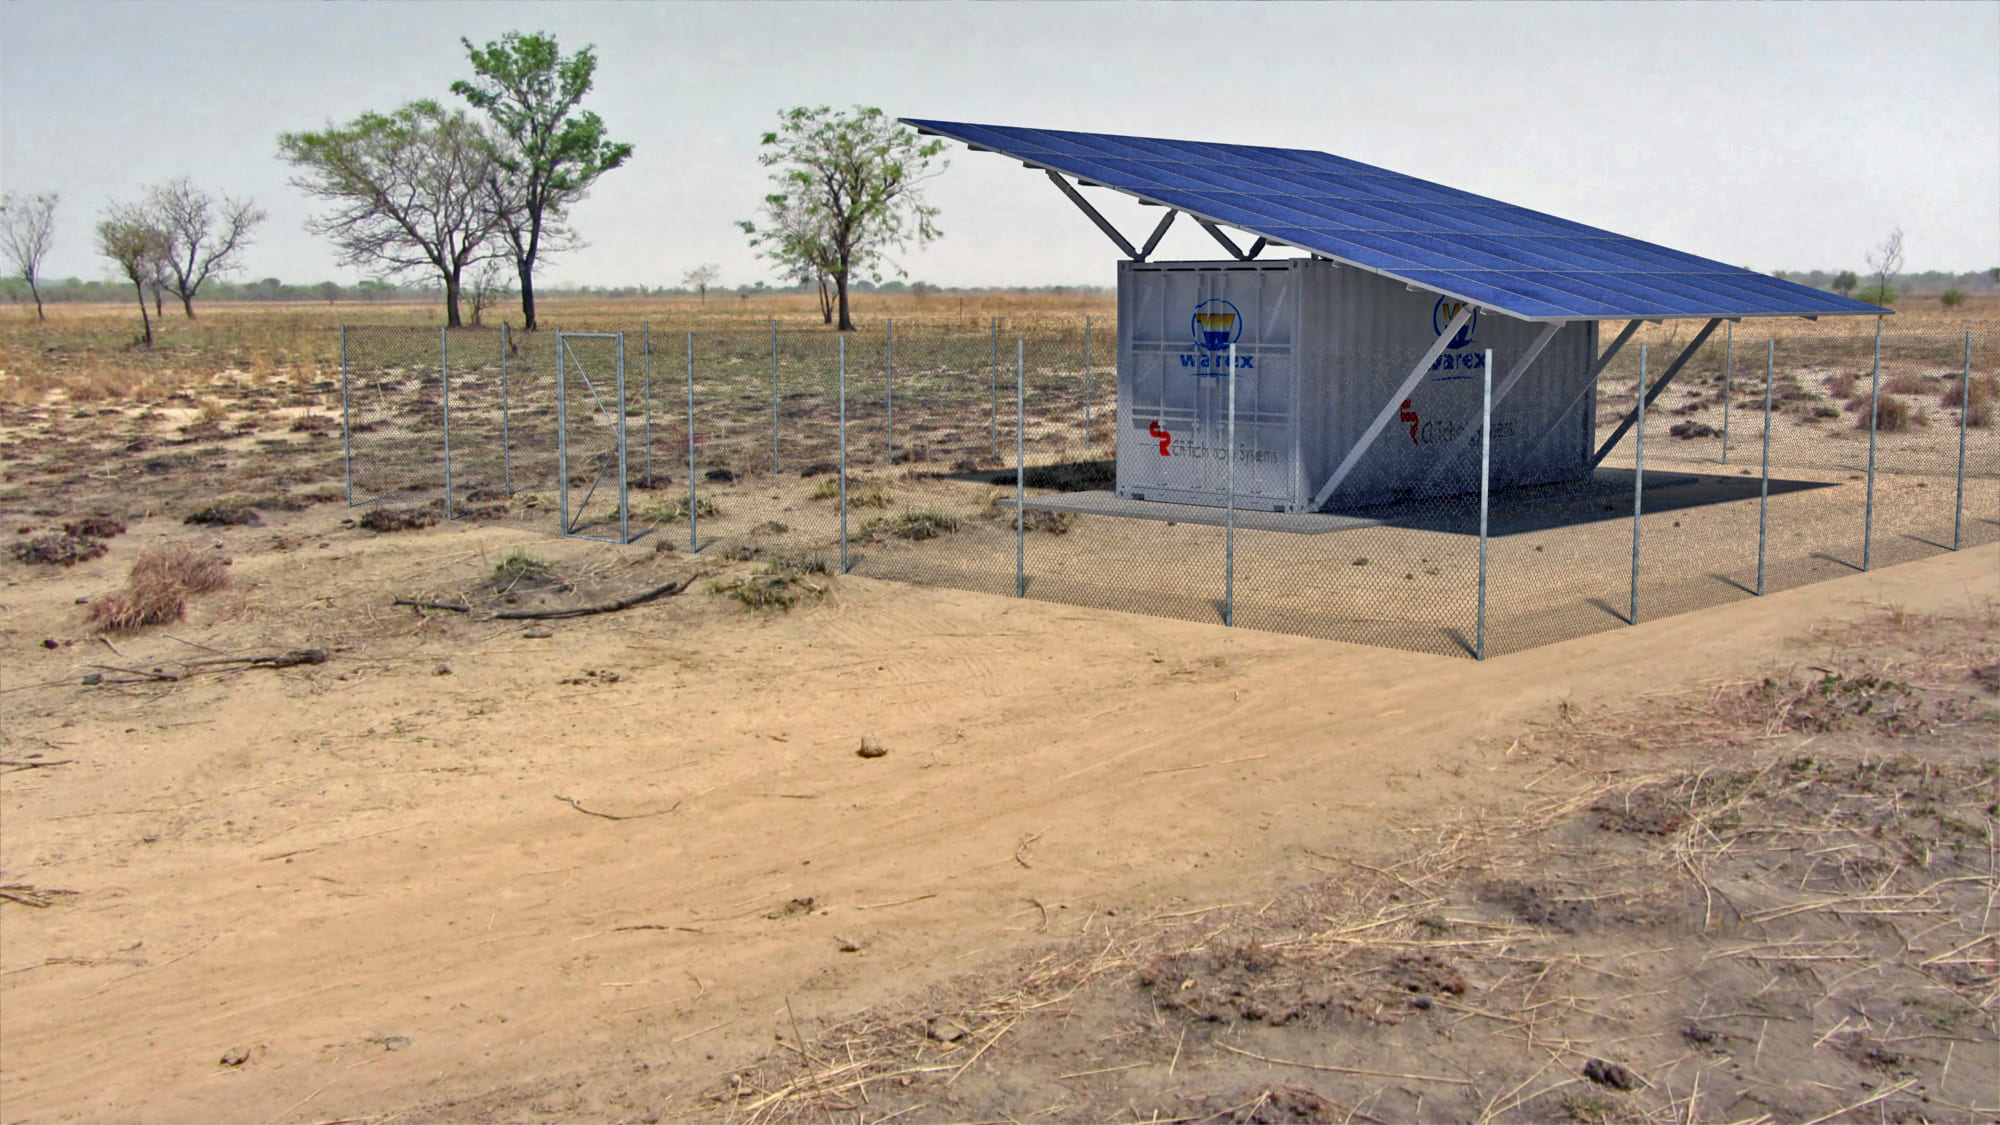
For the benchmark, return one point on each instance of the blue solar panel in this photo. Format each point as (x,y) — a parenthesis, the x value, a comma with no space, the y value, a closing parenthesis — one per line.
(1506,258)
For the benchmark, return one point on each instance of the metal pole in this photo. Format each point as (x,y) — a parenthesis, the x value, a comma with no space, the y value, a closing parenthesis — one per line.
(993,391)
(889,384)
(1020,469)
(1874,405)
(562,432)
(646,346)
(1086,386)
(1485,460)
(1764,499)
(1638,484)
(506,439)
(1964,412)
(843,455)
(694,543)
(774,394)
(346,422)
(444,374)
(1229,518)
(1728,355)
(624,498)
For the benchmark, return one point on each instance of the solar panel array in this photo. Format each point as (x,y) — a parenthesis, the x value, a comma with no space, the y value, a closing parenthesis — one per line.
(1510,259)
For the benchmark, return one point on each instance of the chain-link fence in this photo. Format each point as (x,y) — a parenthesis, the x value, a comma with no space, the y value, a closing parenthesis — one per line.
(892,453)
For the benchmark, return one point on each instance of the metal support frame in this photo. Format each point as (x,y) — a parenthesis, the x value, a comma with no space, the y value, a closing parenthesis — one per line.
(1874,414)
(1159,232)
(1485,474)
(1639,482)
(1498,395)
(1764,493)
(1229,478)
(617,422)
(1229,244)
(1103,223)
(1964,412)
(347,421)
(1638,412)
(1728,371)
(1589,388)
(444,376)
(1388,411)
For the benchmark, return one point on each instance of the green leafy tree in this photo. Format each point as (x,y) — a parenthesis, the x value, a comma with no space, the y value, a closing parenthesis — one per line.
(1845,282)
(27,230)
(136,246)
(847,194)
(411,189)
(547,152)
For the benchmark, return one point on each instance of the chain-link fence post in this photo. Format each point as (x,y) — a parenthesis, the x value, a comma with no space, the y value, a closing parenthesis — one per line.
(347,422)
(1086,387)
(624,486)
(1728,369)
(774,394)
(1964,412)
(1638,483)
(506,439)
(993,392)
(562,433)
(889,385)
(444,371)
(1020,468)
(1485,460)
(694,500)
(646,393)
(1874,411)
(1229,510)
(843,454)
(1764,496)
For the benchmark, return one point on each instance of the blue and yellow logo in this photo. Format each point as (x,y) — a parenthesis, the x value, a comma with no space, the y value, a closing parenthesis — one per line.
(1441,315)
(1217,324)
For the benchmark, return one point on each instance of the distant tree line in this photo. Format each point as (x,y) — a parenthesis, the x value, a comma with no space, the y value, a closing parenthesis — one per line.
(1930,283)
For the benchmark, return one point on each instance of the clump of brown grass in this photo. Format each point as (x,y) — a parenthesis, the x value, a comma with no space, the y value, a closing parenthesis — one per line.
(1909,383)
(1978,398)
(1892,414)
(157,590)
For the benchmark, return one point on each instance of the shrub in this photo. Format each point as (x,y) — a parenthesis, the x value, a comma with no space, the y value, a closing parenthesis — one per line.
(386,520)
(1983,391)
(1909,383)
(158,587)
(676,510)
(1952,298)
(1842,386)
(921,523)
(95,527)
(520,566)
(1688,431)
(1892,415)
(59,550)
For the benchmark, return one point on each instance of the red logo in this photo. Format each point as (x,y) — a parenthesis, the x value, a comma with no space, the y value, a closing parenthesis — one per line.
(1167,439)
(1409,415)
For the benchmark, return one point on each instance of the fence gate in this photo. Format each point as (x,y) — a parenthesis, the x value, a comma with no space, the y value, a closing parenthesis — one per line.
(590,436)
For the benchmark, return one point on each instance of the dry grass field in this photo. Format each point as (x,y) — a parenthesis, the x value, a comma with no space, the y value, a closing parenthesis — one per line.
(779,844)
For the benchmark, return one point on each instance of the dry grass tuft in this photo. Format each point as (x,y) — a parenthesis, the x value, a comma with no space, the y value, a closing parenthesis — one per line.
(157,590)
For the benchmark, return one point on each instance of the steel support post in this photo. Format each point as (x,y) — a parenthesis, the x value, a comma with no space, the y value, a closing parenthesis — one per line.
(1445,457)
(562,433)
(1229,525)
(843,455)
(993,392)
(1964,412)
(444,378)
(774,394)
(1020,468)
(646,358)
(1103,224)
(1874,408)
(1388,411)
(1485,463)
(1638,413)
(506,437)
(624,492)
(1728,369)
(1638,485)
(346,422)
(1764,495)
(889,385)
(1589,390)
(694,501)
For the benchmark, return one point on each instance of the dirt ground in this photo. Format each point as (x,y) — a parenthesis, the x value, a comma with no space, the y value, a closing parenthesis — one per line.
(636,865)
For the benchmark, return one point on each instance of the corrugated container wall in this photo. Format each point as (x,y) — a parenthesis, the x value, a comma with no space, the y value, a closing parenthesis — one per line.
(1320,348)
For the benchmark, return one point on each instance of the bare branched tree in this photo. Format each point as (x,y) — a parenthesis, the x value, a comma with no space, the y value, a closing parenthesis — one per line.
(27,230)
(204,235)
(1885,261)
(701,277)
(411,188)
(128,237)
(489,284)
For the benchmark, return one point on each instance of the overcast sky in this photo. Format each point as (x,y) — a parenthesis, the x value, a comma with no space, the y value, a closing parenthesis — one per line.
(1776,136)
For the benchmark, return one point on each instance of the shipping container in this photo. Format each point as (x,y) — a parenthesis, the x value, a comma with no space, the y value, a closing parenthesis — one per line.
(1319,350)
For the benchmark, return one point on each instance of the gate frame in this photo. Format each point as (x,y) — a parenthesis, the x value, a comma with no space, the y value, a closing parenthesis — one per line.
(563,354)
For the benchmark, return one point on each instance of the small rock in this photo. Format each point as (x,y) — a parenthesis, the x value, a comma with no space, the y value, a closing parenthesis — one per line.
(82,601)
(93,679)
(1362,561)
(871,748)
(51,642)
(847,945)
(538,633)
(236,1056)
(1610,1074)
(607,677)
(441,670)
